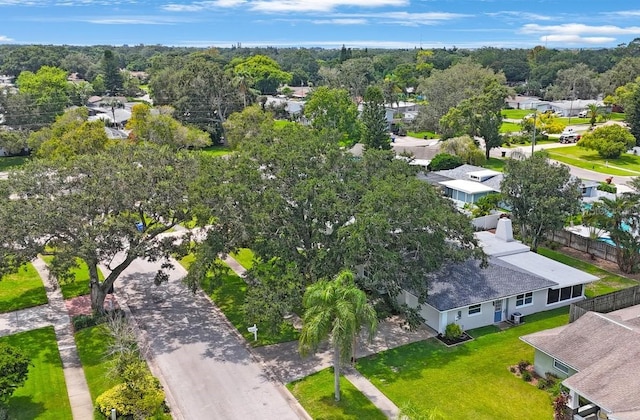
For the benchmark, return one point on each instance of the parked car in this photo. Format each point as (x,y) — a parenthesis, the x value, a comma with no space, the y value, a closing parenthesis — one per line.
(583,114)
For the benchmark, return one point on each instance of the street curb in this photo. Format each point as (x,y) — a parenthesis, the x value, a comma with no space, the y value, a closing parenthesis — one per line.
(282,389)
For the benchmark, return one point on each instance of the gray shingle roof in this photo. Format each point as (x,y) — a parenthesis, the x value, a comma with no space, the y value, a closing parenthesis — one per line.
(605,350)
(461,284)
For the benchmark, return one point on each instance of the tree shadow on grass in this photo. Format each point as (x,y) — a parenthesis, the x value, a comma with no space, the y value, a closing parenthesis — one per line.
(23,407)
(28,299)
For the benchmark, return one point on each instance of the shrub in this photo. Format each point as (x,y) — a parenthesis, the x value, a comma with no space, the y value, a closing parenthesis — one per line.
(607,188)
(512,369)
(542,384)
(523,365)
(443,161)
(526,376)
(452,332)
(140,396)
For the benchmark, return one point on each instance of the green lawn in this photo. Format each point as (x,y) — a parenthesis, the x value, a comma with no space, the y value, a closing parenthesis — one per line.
(79,286)
(216,151)
(316,394)
(13,162)
(92,344)
(495,164)
(423,134)
(22,289)
(44,395)
(589,159)
(230,297)
(609,282)
(244,256)
(469,381)
(516,114)
(510,127)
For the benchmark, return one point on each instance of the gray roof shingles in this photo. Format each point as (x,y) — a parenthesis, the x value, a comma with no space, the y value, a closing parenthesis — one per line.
(606,353)
(462,284)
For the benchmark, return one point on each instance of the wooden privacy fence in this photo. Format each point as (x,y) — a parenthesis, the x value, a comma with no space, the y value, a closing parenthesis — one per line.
(594,247)
(606,303)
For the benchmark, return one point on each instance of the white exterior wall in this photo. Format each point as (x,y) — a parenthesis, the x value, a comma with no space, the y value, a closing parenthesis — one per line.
(432,317)
(468,322)
(543,363)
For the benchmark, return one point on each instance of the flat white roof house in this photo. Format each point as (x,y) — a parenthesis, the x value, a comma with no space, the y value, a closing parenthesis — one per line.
(516,283)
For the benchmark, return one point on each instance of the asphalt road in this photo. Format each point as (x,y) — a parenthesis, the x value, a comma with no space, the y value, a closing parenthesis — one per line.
(204,365)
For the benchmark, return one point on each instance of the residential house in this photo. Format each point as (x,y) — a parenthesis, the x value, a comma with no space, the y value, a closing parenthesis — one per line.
(465,184)
(573,108)
(599,357)
(524,102)
(516,283)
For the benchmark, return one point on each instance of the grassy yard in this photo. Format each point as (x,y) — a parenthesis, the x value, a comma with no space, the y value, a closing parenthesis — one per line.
(230,296)
(316,394)
(44,395)
(216,151)
(609,282)
(22,289)
(12,162)
(625,165)
(510,127)
(92,344)
(495,164)
(423,134)
(515,114)
(79,286)
(244,256)
(469,381)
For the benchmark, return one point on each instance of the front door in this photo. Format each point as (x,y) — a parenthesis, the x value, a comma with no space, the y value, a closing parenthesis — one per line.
(497,311)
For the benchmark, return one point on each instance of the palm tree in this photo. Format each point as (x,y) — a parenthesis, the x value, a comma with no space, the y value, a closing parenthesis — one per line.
(338,310)
(593,113)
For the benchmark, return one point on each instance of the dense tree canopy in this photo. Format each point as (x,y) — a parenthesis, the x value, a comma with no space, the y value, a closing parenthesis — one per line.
(609,141)
(446,89)
(331,110)
(107,208)
(309,210)
(541,195)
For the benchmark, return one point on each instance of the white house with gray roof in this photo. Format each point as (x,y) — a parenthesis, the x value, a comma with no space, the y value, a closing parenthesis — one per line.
(599,355)
(515,281)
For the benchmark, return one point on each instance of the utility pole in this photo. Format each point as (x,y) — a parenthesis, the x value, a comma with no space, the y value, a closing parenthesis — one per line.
(533,139)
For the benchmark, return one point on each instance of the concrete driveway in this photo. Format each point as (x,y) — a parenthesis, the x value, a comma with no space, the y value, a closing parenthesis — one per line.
(206,369)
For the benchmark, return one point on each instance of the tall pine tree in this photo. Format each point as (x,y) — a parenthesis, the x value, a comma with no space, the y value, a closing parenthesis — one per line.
(375,131)
(113,82)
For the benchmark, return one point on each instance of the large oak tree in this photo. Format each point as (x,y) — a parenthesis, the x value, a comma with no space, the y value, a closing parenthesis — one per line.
(108,208)
(309,210)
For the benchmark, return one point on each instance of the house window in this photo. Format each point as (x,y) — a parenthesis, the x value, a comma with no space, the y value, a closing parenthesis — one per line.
(561,366)
(565,293)
(474,309)
(524,299)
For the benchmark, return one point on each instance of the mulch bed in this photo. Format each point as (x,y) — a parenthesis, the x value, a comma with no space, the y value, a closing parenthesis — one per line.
(463,338)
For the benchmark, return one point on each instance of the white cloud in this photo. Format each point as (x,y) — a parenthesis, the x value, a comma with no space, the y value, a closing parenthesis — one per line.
(521,15)
(576,39)
(131,21)
(4,38)
(272,6)
(625,13)
(340,22)
(579,29)
(202,5)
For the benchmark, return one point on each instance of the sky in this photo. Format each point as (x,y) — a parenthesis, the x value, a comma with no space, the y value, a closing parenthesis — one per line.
(323,23)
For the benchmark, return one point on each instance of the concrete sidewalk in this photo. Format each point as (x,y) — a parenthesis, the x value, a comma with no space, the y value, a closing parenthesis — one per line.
(285,362)
(77,388)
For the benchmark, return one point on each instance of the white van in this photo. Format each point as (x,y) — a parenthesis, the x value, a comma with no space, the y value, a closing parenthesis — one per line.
(583,114)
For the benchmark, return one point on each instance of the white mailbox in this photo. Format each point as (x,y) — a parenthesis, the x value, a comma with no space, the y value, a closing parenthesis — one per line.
(254,330)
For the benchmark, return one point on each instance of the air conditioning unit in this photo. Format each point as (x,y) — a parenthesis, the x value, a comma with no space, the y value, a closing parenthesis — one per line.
(516,318)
